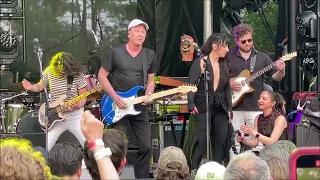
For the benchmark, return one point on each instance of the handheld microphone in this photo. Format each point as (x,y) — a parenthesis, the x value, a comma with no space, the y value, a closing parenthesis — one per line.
(196,47)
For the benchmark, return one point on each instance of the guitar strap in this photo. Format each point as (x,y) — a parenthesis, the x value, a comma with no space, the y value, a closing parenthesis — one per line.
(253,60)
(144,66)
(69,85)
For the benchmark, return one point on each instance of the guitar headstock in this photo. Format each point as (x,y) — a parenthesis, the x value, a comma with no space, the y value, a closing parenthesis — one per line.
(187,88)
(289,56)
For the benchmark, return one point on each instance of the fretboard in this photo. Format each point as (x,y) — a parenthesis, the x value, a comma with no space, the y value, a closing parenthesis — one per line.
(259,73)
(156,95)
(76,99)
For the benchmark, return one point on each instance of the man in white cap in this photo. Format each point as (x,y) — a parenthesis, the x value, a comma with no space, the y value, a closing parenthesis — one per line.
(210,171)
(123,68)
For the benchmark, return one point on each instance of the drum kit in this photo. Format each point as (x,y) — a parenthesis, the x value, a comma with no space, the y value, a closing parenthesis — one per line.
(19,110)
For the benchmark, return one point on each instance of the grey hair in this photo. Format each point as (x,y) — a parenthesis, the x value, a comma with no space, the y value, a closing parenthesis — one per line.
(276,151)
(287,145)
(247,166)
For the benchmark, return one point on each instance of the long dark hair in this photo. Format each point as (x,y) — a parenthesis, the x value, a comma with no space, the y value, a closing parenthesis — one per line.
(218,39)
(278,99)
(70,65)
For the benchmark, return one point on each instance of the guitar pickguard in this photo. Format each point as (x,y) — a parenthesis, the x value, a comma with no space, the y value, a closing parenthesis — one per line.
(120,113)
(237,95)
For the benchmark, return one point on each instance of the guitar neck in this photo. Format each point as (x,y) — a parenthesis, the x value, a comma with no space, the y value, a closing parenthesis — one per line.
(260,73)
(75,100)
(157,95)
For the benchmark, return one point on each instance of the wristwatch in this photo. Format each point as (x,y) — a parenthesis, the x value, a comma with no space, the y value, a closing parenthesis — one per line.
(257,135)
(97,142)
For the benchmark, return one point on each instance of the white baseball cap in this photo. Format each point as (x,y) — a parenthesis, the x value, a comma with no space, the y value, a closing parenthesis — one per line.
(137,22)
(210,171)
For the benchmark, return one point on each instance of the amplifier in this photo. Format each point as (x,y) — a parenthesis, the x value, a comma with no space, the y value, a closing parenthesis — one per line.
(307,132)
(163,136)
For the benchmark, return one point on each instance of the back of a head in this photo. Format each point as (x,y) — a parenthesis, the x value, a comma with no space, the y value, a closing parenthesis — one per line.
(279,169)
(172,164)
(65,159)
(117,142)
(210,171)
(20,162)
(247,166)
(287,145)
(276,151)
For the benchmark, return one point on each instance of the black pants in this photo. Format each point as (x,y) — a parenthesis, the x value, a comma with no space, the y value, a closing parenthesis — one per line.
(137,129)
(218,125)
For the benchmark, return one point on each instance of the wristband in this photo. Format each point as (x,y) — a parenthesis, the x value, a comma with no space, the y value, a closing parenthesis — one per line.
(102,153)
(97,142)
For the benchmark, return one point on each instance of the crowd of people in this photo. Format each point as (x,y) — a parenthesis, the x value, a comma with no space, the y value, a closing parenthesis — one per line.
(260,117)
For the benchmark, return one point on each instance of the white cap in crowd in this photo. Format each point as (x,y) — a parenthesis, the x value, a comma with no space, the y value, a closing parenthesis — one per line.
(210,170)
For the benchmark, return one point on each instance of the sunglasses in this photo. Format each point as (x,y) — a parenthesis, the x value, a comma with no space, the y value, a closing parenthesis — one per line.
(247,40)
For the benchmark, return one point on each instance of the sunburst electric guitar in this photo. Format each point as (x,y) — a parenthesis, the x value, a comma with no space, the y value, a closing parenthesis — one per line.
(111,113)
(245,78)
(58,107)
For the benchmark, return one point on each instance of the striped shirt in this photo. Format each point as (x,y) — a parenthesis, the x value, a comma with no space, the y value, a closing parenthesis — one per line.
(58,86)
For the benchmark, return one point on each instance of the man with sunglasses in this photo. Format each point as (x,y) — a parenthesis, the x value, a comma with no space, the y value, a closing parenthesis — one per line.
(245,56)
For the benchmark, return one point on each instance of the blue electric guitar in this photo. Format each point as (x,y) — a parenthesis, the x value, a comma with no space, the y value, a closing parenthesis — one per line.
(111,113)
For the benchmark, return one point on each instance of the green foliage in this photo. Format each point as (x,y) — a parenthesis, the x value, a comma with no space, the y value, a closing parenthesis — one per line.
(261,38)
(54,21)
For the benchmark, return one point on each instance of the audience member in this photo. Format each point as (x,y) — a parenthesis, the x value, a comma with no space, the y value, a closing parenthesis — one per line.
(65,161)
(276,151)
(247,166)
(117,142)
(92,129)
(279,169)
(287,145)
(210,171)
(172,164)
(20,162)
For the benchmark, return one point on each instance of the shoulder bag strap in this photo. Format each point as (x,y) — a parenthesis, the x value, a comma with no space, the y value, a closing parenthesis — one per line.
(144,66)
(253,60)
(69,85)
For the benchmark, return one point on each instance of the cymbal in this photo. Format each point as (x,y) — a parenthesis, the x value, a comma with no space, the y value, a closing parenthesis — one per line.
(16,87)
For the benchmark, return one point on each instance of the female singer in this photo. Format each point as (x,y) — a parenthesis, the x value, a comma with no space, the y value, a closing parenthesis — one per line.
(270,126)
(220,106)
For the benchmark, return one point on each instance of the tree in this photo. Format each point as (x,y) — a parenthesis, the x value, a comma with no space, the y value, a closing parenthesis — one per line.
(261,38)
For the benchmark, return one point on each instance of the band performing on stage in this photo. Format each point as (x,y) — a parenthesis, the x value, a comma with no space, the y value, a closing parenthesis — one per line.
(118,106)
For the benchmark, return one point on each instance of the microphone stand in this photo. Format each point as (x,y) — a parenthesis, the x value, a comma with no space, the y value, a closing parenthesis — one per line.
(206,88)
(40,55)
(100,43)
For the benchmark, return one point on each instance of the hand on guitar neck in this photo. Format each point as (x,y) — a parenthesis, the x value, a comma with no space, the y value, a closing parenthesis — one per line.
(280,65)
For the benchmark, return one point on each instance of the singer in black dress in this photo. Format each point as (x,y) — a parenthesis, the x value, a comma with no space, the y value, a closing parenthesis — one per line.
(220,106)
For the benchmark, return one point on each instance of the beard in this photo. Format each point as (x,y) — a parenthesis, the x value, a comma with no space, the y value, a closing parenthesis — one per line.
(245,50)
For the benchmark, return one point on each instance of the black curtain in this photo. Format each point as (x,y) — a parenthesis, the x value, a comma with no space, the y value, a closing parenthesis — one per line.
(146,12)
(174,18)
(216,18)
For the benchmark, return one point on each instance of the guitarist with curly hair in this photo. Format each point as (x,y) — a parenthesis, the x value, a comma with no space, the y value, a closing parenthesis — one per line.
(63,76)
(247,69)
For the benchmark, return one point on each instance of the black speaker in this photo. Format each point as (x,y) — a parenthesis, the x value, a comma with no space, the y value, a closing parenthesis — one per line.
(162,135)
(307,132)
(37,139)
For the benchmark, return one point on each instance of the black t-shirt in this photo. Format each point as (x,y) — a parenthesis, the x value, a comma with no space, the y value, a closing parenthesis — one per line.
(126,71)
(238,64)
